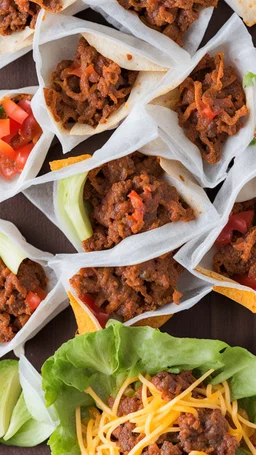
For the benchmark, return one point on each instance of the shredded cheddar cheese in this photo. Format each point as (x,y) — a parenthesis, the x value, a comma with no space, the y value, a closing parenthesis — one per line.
(158,416)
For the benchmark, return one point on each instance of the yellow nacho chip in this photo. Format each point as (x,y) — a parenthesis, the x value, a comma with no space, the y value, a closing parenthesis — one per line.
(155,322)
(245,298)
(59,164)
(86,321)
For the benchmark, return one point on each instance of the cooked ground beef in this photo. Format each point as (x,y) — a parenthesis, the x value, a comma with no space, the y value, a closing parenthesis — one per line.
(14,311)
(170,17)
(239,256)
(88,89)
(15,15)
(128,196)
(129,291)
(207,433)
(211,106)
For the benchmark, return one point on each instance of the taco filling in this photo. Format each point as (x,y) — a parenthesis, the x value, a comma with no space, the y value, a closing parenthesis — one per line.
(128,196)
(129,291)
(236,257)
(211,106)
(20,295)
(167,413)
(87,89)
(19,132)
(172,18)
(15,15)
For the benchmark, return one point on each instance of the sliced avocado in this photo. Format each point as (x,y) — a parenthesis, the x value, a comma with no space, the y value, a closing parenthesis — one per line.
(11,254)
(10,390)
(71,207)
(19,417)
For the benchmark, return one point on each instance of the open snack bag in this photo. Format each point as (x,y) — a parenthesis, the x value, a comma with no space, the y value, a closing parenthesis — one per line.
(206,109)
(90,77)
(19,22)
(35,295)
(24,144)
(225,257)
(175,31)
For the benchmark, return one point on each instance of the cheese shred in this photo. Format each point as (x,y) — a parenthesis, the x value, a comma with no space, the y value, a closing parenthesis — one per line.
(158,416)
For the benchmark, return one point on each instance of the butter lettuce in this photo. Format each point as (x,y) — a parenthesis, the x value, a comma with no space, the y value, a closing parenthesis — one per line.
(249,79)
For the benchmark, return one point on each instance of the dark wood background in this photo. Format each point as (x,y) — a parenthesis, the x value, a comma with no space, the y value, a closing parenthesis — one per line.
(214,317)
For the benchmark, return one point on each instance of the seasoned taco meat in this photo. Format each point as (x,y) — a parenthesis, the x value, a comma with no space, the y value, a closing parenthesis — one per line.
(132,290)
(236,257)
(170,17)
(211,106)
(14,309)
(206,433)
(129,196)
(15,15)
(88,89)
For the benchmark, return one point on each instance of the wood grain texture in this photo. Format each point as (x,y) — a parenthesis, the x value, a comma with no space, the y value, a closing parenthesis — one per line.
(214,317)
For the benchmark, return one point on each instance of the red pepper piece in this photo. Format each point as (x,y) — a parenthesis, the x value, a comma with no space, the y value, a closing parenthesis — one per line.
(245,280)
(240,222)
(89,301)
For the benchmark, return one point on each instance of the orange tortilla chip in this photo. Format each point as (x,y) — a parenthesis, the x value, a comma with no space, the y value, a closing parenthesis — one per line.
(155,322)
(59,164)
(86,321)
(244,297)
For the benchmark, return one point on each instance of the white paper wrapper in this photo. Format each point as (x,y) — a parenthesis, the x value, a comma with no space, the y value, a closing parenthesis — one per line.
(18,44)
(134,135)
(193,288)
(9,188)
(239,186)
(53,304)
(245,8)
(129,22)
(62,35)
(241,54)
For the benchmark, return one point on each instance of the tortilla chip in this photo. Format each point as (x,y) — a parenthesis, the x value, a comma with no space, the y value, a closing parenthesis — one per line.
(169,99)
(244,297)
(155,322)
(246,9)
(59,164)
(86,321)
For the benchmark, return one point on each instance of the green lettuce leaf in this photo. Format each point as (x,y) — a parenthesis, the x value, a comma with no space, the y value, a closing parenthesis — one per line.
(249,79)
(31,434)
(20,416)
(103,359)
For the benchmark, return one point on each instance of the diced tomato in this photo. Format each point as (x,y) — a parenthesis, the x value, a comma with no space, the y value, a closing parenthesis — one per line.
(23,154)
(89,301)
(34,299)
(14,128)
(30,129)
(26,106)
(7,150)
(208,112)
(8,171)
(14,111)
(4,127)
(240,222)
(245,280)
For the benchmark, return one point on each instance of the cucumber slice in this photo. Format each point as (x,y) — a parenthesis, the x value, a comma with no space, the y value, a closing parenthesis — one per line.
(11,254)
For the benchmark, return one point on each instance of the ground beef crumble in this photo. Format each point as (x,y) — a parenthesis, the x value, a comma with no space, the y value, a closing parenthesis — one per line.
(129,196)
(211,106)
(207,433)
(14,311)
(239,257)
(15,15)
(130,291)
(88,89)
(170,17)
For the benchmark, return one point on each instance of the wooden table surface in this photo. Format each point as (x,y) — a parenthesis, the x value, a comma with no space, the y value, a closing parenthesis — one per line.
(214,317)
